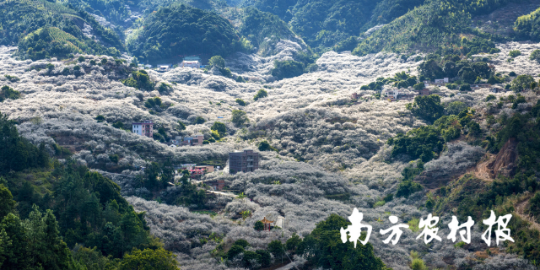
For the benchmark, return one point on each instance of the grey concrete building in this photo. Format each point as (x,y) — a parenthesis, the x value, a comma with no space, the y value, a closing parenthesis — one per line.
(246,161)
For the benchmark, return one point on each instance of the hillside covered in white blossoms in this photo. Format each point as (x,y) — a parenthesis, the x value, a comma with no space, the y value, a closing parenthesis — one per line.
(351,128)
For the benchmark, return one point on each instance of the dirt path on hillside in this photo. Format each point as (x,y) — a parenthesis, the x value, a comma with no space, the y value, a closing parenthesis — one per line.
(520,211)
(481,171)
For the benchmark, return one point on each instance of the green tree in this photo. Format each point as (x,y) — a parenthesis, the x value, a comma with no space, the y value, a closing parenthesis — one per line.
(57,255)
(5,245)
(240,102)
(265,146)
(427,107)
(287,69)
(199,120)
(323,248)
(293,242)
(250,258)
(92,259)
(465,87)
(276,248)
(140,80)
(8,92)
(265,258)
(522,82)
(17,153)
(534,206)
(181,125)
(259,225)
(535,56)
(455,107)
(149,259)
(233,251)
(467,74)
(239,118)
(431,69)
(261,94)
(17,255)
(419,86)
(217,61)
(514,53)
(241,242)
(7,204)
(220,128)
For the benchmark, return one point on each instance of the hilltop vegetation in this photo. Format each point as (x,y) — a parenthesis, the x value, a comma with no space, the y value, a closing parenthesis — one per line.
(202,32)
(263,28)
(43,29)
(435,26)
(528,26)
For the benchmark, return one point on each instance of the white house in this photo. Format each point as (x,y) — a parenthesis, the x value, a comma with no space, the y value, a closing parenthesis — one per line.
(394,93)
(163,68)
(145,128)
(441,81)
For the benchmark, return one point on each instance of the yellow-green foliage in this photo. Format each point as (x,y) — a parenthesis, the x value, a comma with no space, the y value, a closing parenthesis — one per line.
(528,26)
(413,224)
(436,25)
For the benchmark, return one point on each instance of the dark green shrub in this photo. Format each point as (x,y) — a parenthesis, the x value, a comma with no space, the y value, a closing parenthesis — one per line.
(114,158)
(265,146)
(261,94)
(118,124)
(241,243)
(199,120)
(164,88)
(259,225)
(265,257)
(240,102)
(233,251)
(419,86)
(465,87)
(81,58)
(8,92)
(181,125)
(287,69)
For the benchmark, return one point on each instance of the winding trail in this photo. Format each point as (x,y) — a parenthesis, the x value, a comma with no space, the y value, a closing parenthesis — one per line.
(520,211)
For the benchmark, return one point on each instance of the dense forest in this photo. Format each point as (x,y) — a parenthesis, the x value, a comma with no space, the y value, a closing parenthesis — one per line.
(434,26)
(263,28)
(528,26)
(43,29)
(62,216)
(203,32)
